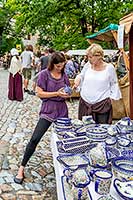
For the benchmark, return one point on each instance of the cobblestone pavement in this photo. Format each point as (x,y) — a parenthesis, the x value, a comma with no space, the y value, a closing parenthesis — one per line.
(17,121)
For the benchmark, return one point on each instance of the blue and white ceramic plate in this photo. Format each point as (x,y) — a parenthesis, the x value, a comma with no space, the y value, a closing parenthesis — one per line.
(69,160)
(124,189)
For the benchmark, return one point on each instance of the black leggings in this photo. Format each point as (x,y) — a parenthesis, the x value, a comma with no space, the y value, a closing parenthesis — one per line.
(41,127)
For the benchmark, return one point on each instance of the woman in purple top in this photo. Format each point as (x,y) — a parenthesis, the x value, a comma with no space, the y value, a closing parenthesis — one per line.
(50,89)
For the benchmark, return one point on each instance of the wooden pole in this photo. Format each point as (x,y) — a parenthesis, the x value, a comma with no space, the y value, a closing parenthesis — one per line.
(131,70)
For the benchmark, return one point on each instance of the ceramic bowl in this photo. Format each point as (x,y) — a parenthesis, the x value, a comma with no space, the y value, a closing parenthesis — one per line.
(123,143)
(80,131)
(111,141)
(96,133)
(124,189)
(123,168)
(112,130)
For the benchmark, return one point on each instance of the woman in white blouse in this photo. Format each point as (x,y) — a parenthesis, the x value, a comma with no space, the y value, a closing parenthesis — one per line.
(98,87)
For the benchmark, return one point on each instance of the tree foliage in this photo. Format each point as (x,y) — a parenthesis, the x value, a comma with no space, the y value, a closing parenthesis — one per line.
(62,24)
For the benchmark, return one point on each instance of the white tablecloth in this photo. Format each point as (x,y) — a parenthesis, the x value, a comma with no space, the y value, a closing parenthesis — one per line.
(59,172)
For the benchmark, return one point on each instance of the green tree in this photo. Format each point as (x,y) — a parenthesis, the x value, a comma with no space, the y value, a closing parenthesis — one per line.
(63,24)
(8,36)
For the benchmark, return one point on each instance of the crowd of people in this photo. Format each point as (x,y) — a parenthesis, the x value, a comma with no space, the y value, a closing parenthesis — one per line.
(97,83)
(31,65)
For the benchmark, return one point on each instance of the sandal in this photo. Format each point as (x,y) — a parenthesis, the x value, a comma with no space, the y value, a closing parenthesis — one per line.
(19,180)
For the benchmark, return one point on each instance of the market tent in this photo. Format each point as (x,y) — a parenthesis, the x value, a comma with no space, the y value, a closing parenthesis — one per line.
(78,52)
(82,52)
(107,34)
(127,21)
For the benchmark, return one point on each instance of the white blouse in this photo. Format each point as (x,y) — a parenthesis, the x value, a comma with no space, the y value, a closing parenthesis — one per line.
(98,85)
(15,66)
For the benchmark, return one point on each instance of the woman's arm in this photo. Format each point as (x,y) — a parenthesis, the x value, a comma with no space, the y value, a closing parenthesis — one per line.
(44,94)
(79,78)
(115,92)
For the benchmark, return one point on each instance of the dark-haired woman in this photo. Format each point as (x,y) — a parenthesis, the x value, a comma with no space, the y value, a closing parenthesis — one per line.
(15,91)
(49,89)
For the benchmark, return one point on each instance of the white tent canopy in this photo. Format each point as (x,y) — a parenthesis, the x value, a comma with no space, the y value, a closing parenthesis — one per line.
(82,52)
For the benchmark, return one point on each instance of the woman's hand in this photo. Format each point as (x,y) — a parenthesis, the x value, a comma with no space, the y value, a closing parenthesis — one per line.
(76,83)
(62,93)
(44,94)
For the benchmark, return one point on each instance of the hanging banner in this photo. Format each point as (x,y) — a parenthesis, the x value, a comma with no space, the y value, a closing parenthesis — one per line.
(120,37)
(19,48)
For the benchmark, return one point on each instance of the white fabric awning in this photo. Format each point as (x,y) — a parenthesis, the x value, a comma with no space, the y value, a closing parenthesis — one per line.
(127,21)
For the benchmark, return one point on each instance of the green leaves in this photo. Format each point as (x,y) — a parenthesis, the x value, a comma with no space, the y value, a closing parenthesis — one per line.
(62,24)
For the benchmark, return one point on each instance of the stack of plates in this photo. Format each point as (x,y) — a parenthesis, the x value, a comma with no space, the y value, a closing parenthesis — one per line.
(62,124)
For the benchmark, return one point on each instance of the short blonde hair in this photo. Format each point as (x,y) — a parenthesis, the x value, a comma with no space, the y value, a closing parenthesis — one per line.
(95,49)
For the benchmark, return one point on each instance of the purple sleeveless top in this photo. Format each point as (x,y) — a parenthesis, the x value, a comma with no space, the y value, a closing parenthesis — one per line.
(54,107)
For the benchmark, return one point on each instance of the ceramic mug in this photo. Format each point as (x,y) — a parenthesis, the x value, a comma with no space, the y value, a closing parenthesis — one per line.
(103,179)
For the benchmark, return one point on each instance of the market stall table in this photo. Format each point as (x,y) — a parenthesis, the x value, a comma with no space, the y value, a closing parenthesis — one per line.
(59,173)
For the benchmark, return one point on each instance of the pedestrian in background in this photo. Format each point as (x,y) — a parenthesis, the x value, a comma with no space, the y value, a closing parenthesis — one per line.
(69,67)
(27,60)
(15,91)
(98,87)
(36,73)
(44,59)
(41,63)
(50,89)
